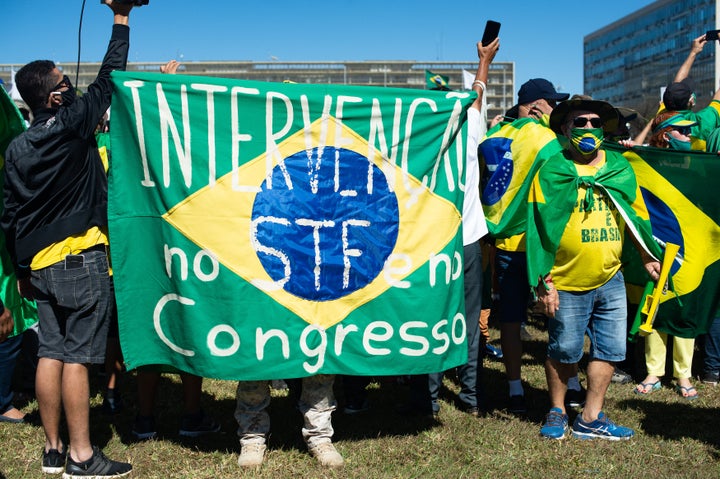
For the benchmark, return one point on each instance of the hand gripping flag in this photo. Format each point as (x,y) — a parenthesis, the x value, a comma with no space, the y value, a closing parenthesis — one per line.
(267,230)
(509,157)
(684,209)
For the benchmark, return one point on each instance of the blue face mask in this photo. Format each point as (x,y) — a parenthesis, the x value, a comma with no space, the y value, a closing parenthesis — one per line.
(679,145)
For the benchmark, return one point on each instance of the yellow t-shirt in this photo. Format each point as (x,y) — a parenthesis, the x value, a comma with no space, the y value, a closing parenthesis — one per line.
(513,243)
(591,246)
(71,245)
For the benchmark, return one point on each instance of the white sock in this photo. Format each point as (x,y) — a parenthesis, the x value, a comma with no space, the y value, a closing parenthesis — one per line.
(516,388)
(574,383)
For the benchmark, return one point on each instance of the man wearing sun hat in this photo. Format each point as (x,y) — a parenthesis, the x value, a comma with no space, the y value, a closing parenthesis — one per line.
(576,209)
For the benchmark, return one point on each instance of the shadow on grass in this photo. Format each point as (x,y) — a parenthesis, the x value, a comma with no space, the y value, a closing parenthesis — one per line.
(677,420)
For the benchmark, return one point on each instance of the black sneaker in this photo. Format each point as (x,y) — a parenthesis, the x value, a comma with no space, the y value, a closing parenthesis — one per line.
(53,461)
(621,377)
(199,424)
(97,467)
(516,404)
(112,405)
(144,428)
(574,398)
(711,379)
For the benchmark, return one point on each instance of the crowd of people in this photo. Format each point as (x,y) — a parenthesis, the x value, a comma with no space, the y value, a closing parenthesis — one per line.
(55,222)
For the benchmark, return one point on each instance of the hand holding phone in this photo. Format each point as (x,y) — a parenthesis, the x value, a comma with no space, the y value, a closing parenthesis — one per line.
(492,29)
(711,35)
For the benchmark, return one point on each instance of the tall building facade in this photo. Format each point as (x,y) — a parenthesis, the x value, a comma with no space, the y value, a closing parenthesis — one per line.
(630,61)
(399,74)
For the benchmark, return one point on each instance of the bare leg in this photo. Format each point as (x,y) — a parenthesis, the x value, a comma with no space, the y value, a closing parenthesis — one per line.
(48,390)
(557,375)
(599,376)
(76,400)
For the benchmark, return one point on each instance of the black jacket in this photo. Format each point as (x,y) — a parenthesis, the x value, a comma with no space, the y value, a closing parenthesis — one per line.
(55,185)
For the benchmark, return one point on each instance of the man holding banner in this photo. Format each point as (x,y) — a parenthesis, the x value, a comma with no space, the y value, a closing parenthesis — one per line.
(55,220)
(579,204)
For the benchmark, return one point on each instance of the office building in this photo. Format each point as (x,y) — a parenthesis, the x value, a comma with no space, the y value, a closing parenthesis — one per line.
(630,61)
(399,74)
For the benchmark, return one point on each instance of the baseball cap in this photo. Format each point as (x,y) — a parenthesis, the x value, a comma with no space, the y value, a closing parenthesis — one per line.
(677,95)
(539,88)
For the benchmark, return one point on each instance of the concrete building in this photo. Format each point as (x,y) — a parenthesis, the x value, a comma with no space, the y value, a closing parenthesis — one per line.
(629,61)
(398,74)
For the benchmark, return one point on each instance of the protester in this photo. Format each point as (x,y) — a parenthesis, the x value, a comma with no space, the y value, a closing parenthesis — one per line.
(536,99)
(194,422)
(579,283)
(670,130)
(680,97)
(55,222)
(317,402)
(711,362)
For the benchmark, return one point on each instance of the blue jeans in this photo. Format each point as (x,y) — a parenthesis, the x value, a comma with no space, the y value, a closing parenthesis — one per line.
(601,313)
(9,352)
(712,348)
(74,302)
(470,386)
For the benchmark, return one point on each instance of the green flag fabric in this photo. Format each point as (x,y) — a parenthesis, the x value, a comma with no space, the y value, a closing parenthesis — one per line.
(435,81)
(510,155)
(267,230)
(552,198)
(24,312)
(683,209)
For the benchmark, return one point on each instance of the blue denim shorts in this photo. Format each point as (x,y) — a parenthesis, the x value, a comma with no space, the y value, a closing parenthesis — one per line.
(75,302)
(601,313)
(511,272)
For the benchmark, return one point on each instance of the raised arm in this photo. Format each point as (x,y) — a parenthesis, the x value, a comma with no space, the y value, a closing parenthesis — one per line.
(485,56)
(697,47)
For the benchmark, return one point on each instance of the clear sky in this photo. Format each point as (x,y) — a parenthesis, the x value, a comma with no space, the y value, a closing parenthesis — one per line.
(543,38)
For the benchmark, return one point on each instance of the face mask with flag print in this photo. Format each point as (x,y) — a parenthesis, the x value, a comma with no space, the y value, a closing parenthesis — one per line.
(586,140)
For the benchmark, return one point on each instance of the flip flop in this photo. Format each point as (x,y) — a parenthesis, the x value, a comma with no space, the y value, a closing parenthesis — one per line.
(644,391)
(686,392)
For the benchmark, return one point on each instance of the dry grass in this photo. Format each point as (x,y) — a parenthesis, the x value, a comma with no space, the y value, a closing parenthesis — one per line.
(675,438)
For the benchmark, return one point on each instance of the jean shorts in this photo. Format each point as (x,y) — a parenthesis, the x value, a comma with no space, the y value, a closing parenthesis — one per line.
(511,272)
(75,302)
(601,313)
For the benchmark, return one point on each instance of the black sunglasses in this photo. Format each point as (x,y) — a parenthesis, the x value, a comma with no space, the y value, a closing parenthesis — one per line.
(683,130)
(64,83)
(581,121)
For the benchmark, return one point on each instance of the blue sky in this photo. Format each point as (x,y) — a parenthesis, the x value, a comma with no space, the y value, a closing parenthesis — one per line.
(544,39)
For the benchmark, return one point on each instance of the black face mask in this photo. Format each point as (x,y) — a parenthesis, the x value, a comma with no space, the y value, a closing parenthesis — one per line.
(68,96)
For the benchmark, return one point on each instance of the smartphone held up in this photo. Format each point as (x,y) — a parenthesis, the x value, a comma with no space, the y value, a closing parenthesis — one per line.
(492,30)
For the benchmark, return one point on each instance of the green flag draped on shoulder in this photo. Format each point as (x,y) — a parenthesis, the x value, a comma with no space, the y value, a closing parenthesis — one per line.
(510,155)
(684,209)
(24,312)
(267,230)
(553,194)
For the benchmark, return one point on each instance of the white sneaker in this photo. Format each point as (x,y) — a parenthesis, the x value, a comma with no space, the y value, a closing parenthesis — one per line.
(251,455)
(326,454)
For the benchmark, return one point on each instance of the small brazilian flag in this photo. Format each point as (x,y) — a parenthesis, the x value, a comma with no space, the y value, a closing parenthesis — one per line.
(436,81)
(272,230)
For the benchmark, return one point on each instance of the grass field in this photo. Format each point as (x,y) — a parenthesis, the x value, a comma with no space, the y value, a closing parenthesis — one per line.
(675,438)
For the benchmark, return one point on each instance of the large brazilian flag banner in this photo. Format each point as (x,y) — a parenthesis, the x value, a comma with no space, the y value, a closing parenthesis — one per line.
(265,230)
(684,208)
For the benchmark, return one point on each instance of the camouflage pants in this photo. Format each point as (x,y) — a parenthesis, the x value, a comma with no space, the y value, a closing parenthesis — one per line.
(317,402)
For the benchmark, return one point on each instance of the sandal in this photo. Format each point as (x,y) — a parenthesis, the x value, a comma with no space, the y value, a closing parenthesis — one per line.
(647,388)
(686,392)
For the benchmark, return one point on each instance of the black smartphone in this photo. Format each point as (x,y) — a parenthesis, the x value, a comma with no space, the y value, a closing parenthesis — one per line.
(492,29)
(711,35)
